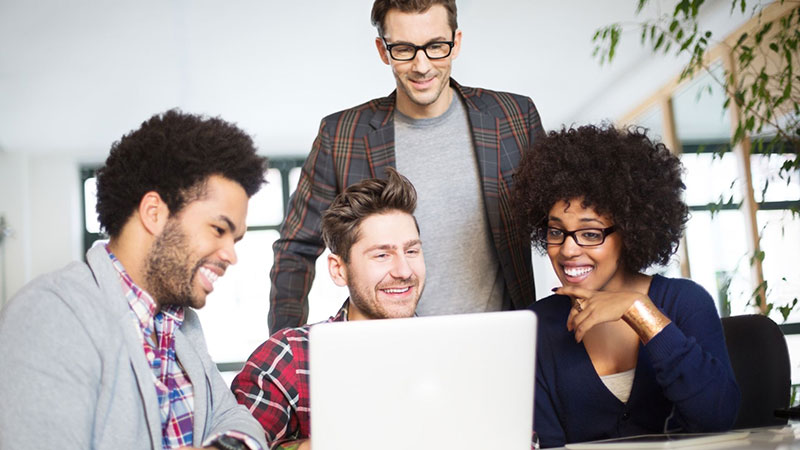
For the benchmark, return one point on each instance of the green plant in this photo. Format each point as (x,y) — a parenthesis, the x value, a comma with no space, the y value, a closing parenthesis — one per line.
(767,90)
(761,80)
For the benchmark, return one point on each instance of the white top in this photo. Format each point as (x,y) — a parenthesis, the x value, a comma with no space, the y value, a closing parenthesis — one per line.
(620,384)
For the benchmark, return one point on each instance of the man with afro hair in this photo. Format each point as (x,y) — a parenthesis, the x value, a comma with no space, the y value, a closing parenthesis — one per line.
(108,353)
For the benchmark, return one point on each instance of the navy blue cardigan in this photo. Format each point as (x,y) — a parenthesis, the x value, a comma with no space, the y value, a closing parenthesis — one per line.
(683,375)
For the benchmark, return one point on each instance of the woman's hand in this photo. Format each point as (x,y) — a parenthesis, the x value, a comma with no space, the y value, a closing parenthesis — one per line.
(594,307)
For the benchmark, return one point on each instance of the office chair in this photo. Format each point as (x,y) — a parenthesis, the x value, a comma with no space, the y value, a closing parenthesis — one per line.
(760,361)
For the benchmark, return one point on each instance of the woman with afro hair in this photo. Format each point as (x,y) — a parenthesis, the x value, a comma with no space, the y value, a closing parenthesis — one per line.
(620,352)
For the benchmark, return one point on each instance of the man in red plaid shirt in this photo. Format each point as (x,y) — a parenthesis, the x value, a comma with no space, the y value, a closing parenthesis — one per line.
(377,253)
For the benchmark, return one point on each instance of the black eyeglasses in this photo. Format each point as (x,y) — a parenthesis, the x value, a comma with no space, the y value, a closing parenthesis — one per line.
(407,52)
(585,237)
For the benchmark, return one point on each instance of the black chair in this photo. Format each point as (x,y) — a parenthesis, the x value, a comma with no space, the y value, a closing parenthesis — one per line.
(760,361)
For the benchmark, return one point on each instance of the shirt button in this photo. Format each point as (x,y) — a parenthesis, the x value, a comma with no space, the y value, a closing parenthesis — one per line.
(626,415)
(151,357)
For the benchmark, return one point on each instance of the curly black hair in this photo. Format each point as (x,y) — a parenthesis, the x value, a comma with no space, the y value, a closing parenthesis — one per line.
(173,154)
(620,173)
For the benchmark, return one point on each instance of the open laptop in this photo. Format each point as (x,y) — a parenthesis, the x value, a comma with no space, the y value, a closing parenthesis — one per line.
(455,382)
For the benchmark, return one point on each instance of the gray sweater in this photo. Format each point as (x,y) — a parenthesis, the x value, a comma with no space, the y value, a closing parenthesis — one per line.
(73,373)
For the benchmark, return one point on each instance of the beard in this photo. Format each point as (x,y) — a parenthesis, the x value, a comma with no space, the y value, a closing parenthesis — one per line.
(169,270)
(366,300)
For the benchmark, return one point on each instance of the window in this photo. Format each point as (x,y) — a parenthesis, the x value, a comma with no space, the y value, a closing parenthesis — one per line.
(735,203)
(716,240)
(235,316)
(652,119)
(717,235)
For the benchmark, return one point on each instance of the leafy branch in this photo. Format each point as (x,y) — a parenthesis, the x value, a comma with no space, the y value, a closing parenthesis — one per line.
(762,81)
(765,87)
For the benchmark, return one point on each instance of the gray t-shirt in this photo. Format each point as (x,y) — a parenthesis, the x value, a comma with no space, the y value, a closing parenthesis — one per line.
(438,156)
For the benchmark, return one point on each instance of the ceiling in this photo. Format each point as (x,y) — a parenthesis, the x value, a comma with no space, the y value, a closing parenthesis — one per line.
(75,76)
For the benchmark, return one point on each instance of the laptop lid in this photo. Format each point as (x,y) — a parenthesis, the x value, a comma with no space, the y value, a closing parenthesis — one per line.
(456,382)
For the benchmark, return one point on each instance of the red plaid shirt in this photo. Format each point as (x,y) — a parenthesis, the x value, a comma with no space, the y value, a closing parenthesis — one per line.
(273,384)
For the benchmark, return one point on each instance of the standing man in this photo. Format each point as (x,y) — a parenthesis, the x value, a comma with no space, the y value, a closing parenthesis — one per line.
(377,253)
(458,145)
(109,353)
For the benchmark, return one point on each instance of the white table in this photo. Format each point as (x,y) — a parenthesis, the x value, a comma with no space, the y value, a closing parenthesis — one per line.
(783,438)
(786,437)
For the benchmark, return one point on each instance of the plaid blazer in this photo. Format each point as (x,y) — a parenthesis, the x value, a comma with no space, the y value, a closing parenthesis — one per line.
(358,143)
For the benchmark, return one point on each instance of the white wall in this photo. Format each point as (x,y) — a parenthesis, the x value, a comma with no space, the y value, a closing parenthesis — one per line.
(15,253)
(55,219)
(41,204)
(78,75)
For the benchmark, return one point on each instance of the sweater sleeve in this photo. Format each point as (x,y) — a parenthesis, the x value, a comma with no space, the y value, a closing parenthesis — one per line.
(546,423)
(692,365)
(300,242)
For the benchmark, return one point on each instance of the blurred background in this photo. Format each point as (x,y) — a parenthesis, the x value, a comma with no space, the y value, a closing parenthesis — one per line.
(75,76)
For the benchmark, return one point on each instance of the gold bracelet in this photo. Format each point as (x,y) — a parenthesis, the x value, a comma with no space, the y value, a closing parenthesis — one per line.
(646,321)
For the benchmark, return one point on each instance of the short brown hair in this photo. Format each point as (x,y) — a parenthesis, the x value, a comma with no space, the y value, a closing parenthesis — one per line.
(371,196)
(381,7)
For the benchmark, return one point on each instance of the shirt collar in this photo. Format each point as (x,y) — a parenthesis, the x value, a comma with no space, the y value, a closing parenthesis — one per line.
(141,303)
(341,315)
(344,311)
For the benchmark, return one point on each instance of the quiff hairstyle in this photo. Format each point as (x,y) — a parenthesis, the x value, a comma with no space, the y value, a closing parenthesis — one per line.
(341,221)
(381,7)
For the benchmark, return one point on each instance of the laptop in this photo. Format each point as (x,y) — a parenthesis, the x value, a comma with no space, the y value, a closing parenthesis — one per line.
(455,382)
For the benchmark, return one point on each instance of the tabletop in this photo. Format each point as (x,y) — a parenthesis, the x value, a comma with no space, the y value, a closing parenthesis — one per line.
(766,438)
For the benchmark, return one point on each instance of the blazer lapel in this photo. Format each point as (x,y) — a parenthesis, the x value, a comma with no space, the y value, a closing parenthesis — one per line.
(107,279)
(379,142)
(144,379)
(485,138)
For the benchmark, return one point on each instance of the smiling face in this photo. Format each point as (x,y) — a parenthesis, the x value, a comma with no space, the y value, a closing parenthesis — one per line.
(596,268)
(196,245)
(386,271)
(422,83)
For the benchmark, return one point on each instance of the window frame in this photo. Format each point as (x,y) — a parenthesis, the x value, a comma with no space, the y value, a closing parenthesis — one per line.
(662,99)
(284,165)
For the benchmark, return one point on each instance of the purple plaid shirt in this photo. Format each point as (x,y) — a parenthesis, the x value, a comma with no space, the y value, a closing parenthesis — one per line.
(173,387)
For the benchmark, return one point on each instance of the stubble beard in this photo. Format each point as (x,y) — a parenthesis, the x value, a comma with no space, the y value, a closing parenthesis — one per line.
(366,299)
(168,268)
